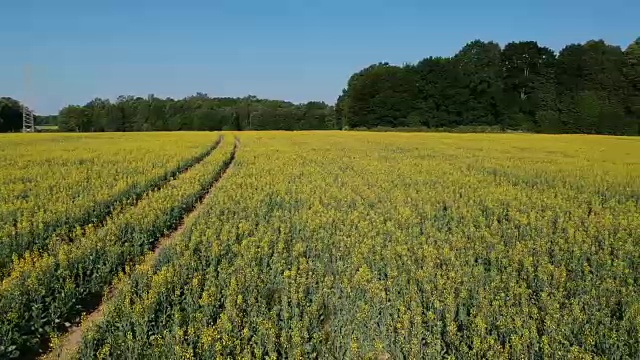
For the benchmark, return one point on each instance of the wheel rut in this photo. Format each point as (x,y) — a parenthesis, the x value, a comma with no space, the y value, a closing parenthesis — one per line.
(114,205)
(72,339)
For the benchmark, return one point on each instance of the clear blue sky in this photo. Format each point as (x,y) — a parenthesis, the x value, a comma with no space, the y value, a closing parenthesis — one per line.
(295,50)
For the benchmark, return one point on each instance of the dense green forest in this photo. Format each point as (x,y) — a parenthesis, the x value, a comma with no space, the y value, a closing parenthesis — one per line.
(198,112)
(591,88)
(586,88)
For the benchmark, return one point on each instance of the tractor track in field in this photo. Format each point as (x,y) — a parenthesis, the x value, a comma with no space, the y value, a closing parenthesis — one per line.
(131,200)
(72,339)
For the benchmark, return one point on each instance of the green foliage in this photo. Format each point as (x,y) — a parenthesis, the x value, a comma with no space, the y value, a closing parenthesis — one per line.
(382,95)
(198,112)
(481,74)
(593,88)
(632,76)
(48,120)
(549,122)
(10,115)
(526,67)
(589,88)
(76,118)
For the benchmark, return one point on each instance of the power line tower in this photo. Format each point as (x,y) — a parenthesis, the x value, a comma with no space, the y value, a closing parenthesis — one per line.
(28,118)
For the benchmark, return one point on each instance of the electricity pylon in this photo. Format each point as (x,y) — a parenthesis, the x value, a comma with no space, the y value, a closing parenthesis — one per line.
(28,118)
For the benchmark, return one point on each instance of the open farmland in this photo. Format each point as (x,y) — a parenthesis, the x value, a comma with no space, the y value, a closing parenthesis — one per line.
(321,245)
(53,184)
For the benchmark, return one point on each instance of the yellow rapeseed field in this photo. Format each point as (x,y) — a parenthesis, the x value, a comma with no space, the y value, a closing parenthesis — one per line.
(47,290)
(390,246)
(51,184)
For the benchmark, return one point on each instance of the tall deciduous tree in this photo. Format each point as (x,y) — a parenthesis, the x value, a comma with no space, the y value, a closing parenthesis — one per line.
(10,115)
(381,95)
(441,91)
(74,118)
(526,66)
(592,88)
(632,75)
(481,73)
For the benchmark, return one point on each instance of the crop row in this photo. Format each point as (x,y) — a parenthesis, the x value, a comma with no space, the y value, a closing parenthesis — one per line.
(54,188)
(389,246)
(46,291)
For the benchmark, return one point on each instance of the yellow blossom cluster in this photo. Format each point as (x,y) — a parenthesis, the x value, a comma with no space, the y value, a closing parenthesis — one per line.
(45,291)
(51,185)
(387,246)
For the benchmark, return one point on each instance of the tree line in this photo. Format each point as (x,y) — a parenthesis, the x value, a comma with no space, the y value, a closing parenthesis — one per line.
(10,114)
(591,88)
(198,112)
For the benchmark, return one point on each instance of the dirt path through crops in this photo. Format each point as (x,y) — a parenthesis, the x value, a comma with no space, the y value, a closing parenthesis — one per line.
(70,342)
